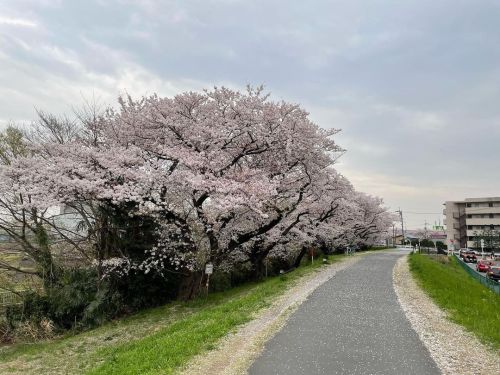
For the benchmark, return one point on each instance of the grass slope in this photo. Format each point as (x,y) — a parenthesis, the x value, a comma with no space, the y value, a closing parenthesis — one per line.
(467,302)
(159,340)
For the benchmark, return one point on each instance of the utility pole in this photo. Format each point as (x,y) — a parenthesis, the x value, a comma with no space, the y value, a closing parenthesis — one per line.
(402,225)
(425,230)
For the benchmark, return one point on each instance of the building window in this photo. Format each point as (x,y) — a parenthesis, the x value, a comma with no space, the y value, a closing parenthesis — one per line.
(469,226)
(490,204)
(469,216)
(492,226)
(469,205)
(492,216)
(471,238)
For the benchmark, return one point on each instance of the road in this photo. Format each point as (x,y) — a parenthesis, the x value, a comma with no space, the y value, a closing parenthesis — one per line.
(352,324)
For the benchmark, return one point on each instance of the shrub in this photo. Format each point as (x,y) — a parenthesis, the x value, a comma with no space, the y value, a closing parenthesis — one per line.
(140,290)
(220,281)
(68,301)
(34,307)
(35,330)
(65,305)
(6,333)
(441,246)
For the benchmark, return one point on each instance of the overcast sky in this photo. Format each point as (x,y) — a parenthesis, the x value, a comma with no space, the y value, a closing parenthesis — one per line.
(414,85)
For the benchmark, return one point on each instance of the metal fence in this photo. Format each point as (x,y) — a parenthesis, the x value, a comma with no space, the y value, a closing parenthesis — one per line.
(493,285)
(9,298)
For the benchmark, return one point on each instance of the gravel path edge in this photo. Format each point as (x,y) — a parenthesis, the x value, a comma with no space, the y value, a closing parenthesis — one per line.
(455,350)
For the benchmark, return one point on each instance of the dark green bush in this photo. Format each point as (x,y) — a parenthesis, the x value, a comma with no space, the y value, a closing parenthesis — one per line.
(34,307)
(70,304)
(441,245)
(220,281)
(81,300)
(139,290)
(106,304)
(69,300)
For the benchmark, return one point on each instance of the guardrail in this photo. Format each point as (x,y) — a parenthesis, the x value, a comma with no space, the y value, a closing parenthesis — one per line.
(493,285)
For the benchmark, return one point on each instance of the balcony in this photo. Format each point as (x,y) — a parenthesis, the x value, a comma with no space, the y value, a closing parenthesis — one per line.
(484,221)
(482,210)
(471,244)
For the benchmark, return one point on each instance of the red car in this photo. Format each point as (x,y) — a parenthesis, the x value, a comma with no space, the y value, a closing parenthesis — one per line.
(483,265)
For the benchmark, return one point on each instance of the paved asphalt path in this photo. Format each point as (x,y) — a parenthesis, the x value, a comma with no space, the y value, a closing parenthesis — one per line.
(352,324)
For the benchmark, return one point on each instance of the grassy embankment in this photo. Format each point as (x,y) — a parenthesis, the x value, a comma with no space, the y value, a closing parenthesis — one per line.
(466,301)
(159,340)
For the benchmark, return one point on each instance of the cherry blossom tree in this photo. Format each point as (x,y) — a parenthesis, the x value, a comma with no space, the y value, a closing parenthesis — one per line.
(18,219)
(169,184)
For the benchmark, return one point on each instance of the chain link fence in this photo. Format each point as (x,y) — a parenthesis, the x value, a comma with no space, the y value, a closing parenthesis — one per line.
(493,285)
(9,298)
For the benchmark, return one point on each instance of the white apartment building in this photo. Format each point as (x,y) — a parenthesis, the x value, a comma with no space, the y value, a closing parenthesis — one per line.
(467,218)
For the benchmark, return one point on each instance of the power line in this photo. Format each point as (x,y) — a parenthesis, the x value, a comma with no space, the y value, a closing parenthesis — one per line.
(423,213)
(469,209)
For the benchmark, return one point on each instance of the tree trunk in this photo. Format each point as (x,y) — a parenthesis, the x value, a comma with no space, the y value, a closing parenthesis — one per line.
(191,286)
(258,267)
(49,270)
(298,260)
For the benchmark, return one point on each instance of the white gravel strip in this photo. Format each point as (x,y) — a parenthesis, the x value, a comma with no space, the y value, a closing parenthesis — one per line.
(236,352)
(455,350)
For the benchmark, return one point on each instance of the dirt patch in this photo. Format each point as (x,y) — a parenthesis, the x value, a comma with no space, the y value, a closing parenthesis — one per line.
(454,350)
(236,352)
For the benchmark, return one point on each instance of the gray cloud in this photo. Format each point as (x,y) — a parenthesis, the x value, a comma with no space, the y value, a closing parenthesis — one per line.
(414,85)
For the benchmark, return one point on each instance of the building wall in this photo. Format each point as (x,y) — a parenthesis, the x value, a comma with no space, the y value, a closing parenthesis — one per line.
(455,224)
(464,218)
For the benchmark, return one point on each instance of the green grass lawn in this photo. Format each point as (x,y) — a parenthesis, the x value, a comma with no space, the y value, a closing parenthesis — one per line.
(159,340)
(467,302)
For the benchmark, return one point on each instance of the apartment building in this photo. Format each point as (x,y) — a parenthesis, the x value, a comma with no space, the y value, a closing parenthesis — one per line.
(465,219)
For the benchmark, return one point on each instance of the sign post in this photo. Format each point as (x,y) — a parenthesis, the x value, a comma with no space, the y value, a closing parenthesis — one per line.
(209,269)
(482,248)
(451,249)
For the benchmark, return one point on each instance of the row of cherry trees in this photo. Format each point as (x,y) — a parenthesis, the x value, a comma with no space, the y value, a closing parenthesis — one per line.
(166,185)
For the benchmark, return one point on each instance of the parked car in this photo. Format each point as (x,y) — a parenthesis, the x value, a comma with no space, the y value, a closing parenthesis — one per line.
(442,251)
(469,256)
(483,265)
(494,273)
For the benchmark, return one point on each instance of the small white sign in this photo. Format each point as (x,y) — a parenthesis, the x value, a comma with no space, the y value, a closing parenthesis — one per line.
(209,269)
